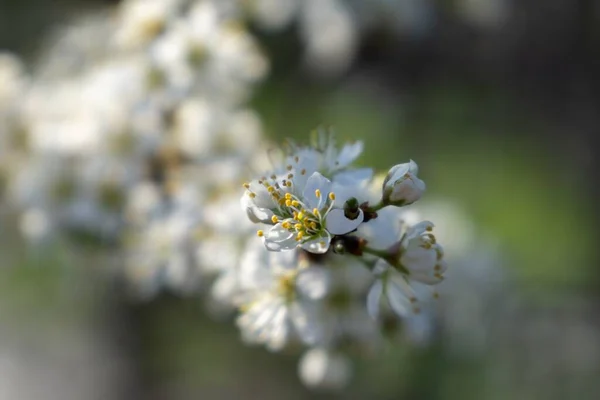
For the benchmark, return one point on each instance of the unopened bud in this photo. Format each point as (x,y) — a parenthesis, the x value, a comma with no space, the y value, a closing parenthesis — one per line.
(402,186)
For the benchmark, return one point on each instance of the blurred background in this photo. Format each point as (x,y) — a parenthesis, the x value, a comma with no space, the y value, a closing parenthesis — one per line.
(497,100)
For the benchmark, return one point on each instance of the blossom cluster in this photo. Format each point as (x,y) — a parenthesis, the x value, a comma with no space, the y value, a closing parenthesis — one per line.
(334,260)
(141,140)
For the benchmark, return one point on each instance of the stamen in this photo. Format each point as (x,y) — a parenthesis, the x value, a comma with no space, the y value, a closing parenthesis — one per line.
(274,219)
(252,195)
(260,233)
(331,196)
(247,185)
(303,172)
(289,167)
(318,193)
(315,211)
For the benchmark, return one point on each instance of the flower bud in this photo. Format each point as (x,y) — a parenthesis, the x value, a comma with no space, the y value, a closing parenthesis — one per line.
(402,186)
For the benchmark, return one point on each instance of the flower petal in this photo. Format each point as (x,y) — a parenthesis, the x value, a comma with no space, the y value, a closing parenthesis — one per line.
(318,245)
(313,282)
(354,176)
(349,153)
(373,299)
(338,224)
(314,183)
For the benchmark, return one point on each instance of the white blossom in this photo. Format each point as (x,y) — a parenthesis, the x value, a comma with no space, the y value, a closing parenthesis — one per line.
(402,186)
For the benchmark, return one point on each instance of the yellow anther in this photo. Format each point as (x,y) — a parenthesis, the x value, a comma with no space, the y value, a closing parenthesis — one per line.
(331,196)
(313,225)
(300,216)
(247,185)
(260,182)
(274,219)
(295,214)
(300,235)
(289,184)
(260,233)
(437,268)
(316,212)
(429,228)
(436,295)
(318,193)
(281,202)
(288,203)
(252,195)
(298,227)
(273,176)
(296,159)
(295,203)
(289,167)
(438,275)
(303,172)
(290,176)
(286,225)
(270,189)
(288,196)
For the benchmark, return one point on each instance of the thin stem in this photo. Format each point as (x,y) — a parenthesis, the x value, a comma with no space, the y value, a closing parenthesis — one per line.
(379,253)
(376,207)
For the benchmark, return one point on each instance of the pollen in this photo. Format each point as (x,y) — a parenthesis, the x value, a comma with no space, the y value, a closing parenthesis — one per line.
(300,216)
(274,219)
(252,195)
(300,235)
(288,203)
(315,211)
(288,184)
(247,185)
(295,203)
(260,233)
(288,196)
(290,176)
(298,226)
(271,189)
(331,196)
(289,167)
(318,193)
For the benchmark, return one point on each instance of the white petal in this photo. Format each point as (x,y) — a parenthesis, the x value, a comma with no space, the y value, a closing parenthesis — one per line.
(313,282)
(288,244)
(278,234)
(319,245)
(349,153)
(255,213)
(316,181)
(398,301)
(353,177)
(338,224)
(373,299)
